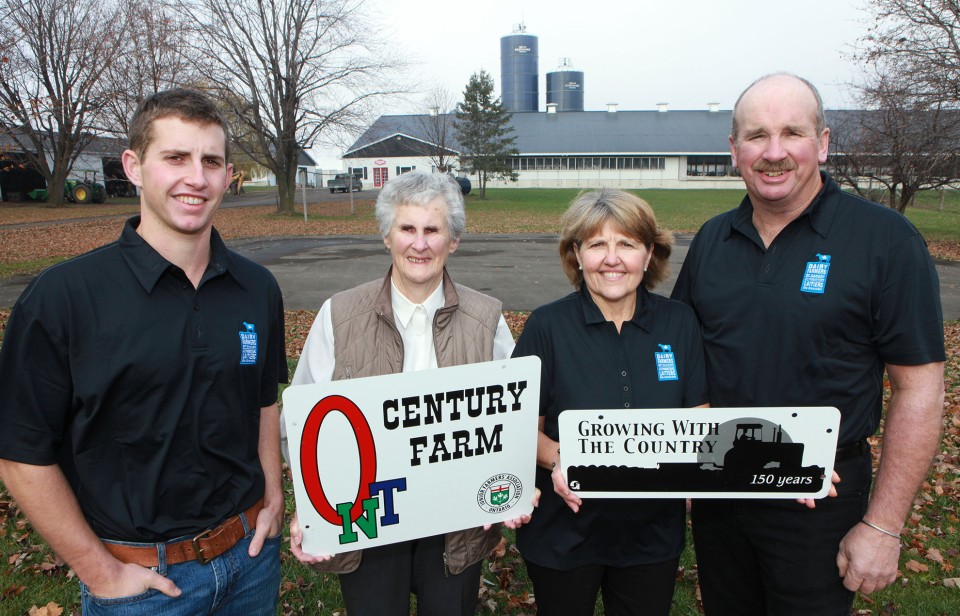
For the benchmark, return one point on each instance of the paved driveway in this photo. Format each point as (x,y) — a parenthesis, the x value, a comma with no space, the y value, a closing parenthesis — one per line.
(521,270)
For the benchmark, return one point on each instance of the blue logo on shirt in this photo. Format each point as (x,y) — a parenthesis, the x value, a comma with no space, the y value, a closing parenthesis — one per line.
(666,364)
(248,345)
(815,277)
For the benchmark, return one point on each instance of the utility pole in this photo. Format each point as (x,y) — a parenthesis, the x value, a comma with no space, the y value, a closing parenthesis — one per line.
(303,186)
(350,190)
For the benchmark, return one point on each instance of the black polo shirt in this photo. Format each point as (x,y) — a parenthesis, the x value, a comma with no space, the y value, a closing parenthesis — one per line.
(144,390)
(587,364)
(844,289)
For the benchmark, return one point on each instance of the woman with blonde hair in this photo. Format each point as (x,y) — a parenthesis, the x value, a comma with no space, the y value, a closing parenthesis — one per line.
(598,347)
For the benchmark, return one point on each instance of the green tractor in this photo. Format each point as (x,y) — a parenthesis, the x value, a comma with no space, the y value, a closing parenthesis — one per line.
(76,191)
(82,191)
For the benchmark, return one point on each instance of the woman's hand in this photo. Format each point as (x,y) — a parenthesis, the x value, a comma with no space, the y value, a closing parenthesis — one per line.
(296,544)
(516,523)
(811,503)
(560,487)
(548,456)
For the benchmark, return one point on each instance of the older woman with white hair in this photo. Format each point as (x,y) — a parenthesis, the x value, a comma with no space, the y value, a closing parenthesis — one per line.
(415,318)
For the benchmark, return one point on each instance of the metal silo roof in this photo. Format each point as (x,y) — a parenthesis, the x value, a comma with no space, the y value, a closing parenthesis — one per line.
(587,132)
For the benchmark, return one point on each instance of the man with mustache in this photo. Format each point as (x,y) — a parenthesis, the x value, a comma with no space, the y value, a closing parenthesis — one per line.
(806,295)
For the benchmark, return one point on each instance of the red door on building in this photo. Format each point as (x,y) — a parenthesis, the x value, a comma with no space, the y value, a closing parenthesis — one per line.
(380,176)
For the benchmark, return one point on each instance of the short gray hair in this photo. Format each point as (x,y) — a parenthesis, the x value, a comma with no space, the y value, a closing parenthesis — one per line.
(420,188)
(821,117)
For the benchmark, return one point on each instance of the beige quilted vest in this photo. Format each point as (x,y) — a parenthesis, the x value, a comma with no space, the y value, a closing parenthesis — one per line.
(367,343)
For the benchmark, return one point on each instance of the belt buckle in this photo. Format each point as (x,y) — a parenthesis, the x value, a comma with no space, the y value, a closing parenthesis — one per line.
(199,550)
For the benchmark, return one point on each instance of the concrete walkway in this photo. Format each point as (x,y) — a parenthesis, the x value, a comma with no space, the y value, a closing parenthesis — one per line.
(521,270)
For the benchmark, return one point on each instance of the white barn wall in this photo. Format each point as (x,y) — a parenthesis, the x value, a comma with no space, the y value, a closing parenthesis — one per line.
(86,165)
(673,176)
(389,164)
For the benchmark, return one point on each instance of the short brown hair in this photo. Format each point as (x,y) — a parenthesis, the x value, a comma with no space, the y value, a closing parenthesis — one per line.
(188,105)
(630,214)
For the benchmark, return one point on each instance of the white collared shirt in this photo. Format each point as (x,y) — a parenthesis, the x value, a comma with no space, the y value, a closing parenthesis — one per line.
(415,324)
(317,358)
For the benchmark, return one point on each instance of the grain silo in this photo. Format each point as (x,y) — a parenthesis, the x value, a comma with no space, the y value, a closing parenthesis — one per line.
(565,87)
(519,72)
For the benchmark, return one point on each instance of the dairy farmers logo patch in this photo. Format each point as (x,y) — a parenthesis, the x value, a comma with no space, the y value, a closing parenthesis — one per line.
(815,276)
(248,345)
(499,493)
(666,363)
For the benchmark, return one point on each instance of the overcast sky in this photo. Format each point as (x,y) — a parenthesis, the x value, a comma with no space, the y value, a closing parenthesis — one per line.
(636,53)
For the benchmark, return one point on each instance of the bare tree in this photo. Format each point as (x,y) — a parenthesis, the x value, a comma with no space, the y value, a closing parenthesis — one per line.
(244,140)
(919,38)
(901,141)
(296,69)
(152,58)
(437,129)
(56,52)
(907,141)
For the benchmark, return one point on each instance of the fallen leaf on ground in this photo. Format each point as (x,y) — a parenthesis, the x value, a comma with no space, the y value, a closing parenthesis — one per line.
(50,609)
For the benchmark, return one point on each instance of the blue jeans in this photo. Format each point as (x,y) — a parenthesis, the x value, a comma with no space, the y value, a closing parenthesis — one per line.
(232,583)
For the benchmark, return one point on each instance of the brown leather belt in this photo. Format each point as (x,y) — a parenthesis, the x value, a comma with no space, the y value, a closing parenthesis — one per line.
(203,548)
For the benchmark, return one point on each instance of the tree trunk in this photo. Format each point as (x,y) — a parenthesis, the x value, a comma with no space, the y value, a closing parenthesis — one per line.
(906,196)
(55,193)
(287,189)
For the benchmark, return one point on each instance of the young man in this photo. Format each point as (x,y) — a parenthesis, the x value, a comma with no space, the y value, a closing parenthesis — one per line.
(138,393)
(806,295)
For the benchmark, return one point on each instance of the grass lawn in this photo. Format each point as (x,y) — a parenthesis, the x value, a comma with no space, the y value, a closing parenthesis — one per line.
(678,210)
(31,575)
(686,210)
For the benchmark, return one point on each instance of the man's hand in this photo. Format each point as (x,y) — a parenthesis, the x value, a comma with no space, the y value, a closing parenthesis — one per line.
(269,524)
(129,580)
(48,502)
(868,559)
(270,518)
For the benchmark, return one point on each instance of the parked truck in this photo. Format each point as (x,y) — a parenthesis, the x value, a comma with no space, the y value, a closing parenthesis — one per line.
(341,181)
